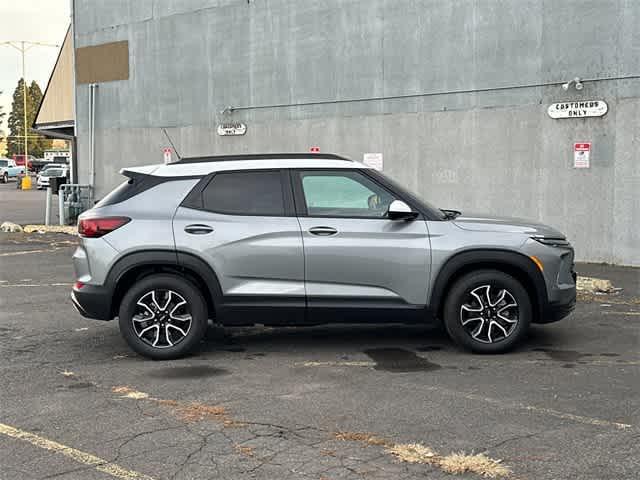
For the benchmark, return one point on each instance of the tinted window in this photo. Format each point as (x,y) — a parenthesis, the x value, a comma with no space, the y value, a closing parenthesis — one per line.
(245,193)
(136,184)
(344,194)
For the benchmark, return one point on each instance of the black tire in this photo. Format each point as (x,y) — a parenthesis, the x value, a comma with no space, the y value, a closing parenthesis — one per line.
(195,307)
(467,301)
(5,178)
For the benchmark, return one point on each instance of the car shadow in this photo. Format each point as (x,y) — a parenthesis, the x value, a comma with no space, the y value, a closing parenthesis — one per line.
(348,338)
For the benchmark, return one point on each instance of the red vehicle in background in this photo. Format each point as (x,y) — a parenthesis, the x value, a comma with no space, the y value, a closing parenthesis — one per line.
(19,159)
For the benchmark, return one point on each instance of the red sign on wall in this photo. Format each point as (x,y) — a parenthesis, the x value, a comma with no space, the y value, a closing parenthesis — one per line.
(314,149)
(581,154)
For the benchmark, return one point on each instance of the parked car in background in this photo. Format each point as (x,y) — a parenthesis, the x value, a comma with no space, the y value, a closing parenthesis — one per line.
(9,169)
(19,159)
(302,240)
(44,177)
(54,165)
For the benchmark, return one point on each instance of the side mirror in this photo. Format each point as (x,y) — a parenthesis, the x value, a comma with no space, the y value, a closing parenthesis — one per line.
(398,210)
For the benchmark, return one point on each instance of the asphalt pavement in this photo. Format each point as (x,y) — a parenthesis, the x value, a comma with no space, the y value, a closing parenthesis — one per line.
(25,207)
(328,402)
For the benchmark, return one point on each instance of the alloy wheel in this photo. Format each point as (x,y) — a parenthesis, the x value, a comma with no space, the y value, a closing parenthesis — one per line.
(489,314)
(162,318)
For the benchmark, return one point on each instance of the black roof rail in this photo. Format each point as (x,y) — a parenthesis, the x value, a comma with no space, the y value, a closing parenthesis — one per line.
(260,156)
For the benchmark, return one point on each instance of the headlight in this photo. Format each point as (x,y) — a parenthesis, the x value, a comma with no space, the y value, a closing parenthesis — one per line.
(552,241)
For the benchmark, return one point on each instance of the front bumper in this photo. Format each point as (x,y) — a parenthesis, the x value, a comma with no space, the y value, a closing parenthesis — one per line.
(92,302)
(560,308)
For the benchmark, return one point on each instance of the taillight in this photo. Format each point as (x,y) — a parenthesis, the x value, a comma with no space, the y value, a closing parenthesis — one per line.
(97,227)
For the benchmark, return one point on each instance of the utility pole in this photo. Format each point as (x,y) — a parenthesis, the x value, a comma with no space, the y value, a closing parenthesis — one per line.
(23,46)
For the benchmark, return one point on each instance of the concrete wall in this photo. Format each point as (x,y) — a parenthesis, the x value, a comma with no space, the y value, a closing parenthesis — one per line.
(490,151)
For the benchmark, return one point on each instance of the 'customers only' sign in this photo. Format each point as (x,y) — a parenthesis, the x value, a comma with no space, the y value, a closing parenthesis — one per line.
(583,109)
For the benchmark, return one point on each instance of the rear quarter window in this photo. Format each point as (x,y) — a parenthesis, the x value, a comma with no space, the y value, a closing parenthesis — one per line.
(136,184)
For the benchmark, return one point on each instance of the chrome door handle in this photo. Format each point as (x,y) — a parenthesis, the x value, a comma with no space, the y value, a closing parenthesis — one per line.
(198,229)
(323,231)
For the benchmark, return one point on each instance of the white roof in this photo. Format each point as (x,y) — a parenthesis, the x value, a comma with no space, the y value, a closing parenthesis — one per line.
(204,168)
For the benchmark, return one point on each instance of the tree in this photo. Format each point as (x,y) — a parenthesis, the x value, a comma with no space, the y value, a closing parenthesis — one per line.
(36,143)
(2,114)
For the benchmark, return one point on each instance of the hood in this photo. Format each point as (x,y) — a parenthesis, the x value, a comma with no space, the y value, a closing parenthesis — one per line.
(486,223)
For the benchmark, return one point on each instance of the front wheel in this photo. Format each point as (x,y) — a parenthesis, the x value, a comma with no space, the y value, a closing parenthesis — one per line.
(487,311)
(5,178)
(163,317)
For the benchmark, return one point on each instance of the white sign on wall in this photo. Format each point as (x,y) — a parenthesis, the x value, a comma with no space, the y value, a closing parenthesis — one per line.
(583,109)
(581,154)
(166,153)
(231,128)
(373,160)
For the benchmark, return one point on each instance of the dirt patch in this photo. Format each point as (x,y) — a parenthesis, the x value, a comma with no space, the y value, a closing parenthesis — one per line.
(584,296)
(229,423)
(366,438)
(595,285)
(194,412)
(128,392)
(245,451)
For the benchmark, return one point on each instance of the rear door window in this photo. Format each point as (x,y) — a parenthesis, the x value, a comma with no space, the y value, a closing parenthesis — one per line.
(258,193)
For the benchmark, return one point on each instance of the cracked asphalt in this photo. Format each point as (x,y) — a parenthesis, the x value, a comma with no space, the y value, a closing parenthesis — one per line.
(262,403)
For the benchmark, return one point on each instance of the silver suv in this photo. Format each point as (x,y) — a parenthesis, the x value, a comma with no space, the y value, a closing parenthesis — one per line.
(305,239)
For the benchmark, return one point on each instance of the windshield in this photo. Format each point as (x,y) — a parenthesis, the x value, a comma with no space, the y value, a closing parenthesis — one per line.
(412,197)
(53,172)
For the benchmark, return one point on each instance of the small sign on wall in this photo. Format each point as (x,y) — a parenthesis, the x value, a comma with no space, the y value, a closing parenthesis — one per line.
(166,154)
(373,160)
(581,154)
(232,129)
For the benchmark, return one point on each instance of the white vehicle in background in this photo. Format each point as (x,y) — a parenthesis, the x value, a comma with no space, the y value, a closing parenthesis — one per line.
(9,169)
(54,165)
(44,176)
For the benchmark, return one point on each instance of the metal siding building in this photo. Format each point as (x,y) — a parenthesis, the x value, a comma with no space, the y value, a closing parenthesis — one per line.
(453,93)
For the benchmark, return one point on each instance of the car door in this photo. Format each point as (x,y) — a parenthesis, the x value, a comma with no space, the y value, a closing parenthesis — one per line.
(356,258)
(242,223)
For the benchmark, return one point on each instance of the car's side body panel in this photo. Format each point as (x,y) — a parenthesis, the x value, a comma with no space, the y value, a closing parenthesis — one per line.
(252,256)
(366,260)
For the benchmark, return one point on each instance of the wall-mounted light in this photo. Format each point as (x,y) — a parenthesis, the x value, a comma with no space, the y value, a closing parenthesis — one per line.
(577,83)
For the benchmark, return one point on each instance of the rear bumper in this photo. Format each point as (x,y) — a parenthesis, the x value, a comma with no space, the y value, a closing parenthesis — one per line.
(92,302)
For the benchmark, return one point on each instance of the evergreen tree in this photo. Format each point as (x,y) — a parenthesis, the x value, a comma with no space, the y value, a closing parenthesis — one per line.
(15,144)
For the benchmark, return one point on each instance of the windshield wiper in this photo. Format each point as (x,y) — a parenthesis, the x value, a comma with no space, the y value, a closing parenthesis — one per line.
(450,214)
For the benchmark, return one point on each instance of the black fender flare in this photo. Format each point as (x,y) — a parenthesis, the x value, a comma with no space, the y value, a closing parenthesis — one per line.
(468,260)
(166,258)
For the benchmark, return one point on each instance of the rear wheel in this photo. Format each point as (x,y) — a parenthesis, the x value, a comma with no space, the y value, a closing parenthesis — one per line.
(487,311)
(5,178)
(163,317)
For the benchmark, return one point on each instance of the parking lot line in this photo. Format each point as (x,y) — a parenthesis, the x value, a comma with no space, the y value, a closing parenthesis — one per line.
(621,313)
(77,455)
(532,408)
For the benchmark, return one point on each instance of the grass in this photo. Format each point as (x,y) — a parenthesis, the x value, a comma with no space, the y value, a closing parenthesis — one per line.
(455,463)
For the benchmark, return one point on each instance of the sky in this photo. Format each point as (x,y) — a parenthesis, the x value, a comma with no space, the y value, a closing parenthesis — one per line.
(43,21)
